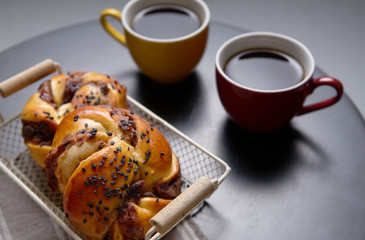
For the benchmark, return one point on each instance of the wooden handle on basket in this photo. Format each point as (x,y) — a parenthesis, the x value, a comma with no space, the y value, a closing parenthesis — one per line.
(28,76)
(175,211)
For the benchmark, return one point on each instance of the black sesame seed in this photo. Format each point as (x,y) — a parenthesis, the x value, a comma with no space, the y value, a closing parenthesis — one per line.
(90,205)
(112,142)
(91,214)
(109,133)
(84,220)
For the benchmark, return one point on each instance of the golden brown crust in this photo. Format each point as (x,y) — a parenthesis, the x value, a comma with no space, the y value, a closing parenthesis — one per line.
(57,97)
(114,169)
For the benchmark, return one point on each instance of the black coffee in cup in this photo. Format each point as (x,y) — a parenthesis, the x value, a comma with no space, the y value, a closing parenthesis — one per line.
(165,21)
(264,69)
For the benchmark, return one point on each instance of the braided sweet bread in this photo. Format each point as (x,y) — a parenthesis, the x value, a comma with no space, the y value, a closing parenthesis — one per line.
(115,170)
(56,98)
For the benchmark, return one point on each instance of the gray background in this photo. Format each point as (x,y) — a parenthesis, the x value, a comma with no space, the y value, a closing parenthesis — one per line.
(334,30)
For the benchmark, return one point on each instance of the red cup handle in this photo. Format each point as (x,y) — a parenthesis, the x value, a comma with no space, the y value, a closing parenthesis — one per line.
(329,81)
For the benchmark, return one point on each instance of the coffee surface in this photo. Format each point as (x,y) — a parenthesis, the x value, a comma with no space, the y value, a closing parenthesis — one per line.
(165,21)
(264,69)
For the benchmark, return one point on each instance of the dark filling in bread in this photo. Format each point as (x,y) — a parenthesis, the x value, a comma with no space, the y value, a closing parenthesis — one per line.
(169,190)
(73,84)
(45,93)
(126,121)
(38,132)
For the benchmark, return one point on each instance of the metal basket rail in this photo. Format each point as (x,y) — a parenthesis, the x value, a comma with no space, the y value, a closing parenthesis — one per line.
(201,171)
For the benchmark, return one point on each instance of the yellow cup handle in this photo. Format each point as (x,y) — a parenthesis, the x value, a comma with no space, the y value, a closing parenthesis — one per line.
(115,13)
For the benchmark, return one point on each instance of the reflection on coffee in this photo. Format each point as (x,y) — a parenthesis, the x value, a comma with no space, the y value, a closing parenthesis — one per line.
(165,21)
(264,69)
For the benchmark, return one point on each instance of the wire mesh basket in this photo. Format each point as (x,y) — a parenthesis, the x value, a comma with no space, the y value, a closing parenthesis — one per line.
(202,172)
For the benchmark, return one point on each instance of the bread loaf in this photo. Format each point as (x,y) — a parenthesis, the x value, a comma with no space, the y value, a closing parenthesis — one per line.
(115,171)
(56,98)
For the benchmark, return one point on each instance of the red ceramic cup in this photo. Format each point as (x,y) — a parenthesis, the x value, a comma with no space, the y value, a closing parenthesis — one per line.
(264,110)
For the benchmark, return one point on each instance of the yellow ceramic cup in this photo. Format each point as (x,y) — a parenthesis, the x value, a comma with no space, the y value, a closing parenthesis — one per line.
(163,60)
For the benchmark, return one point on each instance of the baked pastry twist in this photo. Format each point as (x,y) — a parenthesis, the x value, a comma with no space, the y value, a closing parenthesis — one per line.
(115,170)
(56,98)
